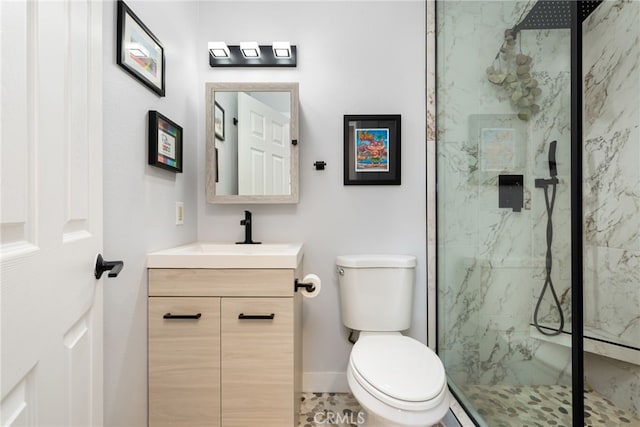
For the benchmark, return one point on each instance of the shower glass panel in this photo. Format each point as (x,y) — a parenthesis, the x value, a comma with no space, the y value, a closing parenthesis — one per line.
(504,211)
(611,205)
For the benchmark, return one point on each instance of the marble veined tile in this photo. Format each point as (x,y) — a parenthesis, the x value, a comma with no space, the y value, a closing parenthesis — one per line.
(617,380)
(460,270)
(431,72)
(506,295)
(504,238)
(612,190)
(612,295)
(611,63)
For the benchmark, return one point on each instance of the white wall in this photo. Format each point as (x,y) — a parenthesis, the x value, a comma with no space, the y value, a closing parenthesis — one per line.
(139,200)
(353,58)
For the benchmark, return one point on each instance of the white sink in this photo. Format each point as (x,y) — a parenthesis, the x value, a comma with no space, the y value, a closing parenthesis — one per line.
(228,255)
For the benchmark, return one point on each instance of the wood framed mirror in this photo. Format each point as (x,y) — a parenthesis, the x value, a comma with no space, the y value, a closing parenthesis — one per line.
(252,143)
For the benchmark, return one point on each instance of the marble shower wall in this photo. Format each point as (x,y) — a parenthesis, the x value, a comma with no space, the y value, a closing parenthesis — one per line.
(491,259)
(612,176)
(611,39)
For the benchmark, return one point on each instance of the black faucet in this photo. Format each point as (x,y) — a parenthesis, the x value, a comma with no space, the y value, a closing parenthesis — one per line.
(247,230)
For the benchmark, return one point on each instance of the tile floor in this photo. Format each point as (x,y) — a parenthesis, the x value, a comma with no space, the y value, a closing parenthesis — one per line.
(329,410)
(500,406)
(318,408)
(542,406)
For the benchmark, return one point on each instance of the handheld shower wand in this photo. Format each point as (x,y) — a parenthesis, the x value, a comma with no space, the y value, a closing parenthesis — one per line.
(545,184)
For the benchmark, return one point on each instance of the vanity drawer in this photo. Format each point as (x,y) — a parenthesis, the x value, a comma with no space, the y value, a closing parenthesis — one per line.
(221,282)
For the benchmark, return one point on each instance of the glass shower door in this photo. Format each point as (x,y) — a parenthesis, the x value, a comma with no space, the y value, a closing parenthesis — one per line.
(504,211)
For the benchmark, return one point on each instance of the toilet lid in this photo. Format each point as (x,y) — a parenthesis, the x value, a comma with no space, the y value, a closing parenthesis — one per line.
(399,366)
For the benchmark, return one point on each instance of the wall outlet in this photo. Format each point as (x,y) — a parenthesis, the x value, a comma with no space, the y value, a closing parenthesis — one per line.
(179,213)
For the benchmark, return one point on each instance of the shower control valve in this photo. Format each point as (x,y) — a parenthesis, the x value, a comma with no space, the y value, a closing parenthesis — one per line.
(544,183)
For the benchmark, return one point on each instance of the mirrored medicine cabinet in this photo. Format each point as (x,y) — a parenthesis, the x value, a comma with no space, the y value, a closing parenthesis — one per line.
(252,143)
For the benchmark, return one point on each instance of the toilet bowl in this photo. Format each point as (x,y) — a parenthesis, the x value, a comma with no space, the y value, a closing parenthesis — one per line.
(398,381)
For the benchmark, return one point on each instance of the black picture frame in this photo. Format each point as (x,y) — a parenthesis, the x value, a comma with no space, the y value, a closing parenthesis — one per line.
(372,149)
(165,143)
(139,52)
(218,121)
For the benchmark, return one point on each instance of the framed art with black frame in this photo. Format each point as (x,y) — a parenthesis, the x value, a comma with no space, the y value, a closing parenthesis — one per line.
(139,52)
(165,143)
(372,149)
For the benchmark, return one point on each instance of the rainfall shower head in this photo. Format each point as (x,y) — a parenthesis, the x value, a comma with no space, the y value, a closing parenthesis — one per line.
(553,14)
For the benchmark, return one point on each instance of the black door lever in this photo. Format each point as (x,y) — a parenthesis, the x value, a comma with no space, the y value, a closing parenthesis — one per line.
(113,267)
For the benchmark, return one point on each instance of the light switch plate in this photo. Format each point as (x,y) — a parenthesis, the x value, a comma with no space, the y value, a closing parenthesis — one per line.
(179,213)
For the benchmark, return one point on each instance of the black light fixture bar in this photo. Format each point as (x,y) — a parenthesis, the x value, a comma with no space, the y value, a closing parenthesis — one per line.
(266,59)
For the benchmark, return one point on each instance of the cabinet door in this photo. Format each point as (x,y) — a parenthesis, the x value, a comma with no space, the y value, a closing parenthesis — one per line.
(257,362)
(184,361)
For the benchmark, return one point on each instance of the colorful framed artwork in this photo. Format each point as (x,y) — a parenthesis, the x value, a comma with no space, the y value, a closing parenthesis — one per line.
(139,52)
(218,121)
(372,149)
(165,143)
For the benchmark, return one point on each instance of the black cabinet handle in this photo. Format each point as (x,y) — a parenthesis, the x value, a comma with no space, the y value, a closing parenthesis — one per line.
(182,316)
(257,316)
(113,267)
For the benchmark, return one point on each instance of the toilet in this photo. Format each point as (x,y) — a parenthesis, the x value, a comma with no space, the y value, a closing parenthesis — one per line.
(397,380)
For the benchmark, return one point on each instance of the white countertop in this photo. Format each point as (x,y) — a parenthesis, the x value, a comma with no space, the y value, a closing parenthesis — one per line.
(228,255)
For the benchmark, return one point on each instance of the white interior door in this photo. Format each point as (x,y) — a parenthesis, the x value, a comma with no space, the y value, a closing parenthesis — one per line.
(51,213)
(264,154)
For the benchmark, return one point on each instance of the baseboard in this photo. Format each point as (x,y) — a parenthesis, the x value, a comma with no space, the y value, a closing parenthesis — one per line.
(325,382)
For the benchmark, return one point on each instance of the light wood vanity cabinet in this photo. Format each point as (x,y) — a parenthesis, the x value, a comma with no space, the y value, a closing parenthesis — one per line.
(238,363)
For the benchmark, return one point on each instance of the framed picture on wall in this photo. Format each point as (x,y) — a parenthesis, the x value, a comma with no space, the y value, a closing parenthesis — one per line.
(218,121)
(372,149)
(165,143)
(139,52)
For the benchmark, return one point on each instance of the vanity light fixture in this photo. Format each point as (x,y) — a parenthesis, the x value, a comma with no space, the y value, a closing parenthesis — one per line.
(219,50)
(281,49)
(251,54)
(250,49)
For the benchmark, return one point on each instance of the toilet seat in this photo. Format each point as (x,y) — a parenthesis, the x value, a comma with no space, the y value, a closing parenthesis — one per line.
(399,371)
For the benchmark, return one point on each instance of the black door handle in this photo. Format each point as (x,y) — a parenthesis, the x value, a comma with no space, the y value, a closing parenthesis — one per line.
(113,267)
(257,316)
(182,316)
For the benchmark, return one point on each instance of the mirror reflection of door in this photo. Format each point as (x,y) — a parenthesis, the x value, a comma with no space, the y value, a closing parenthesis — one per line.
(264,158)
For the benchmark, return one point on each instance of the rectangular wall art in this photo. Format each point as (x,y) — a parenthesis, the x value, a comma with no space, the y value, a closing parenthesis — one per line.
(165,143)
(140,53)
(372,149)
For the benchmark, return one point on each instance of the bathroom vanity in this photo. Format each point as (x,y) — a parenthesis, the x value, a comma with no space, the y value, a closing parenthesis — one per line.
(224,335)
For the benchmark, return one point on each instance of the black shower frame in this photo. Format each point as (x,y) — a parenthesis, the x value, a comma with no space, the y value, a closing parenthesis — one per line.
(577,296)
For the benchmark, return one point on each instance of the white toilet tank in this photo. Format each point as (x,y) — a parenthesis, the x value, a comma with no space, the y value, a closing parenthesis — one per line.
(376,291)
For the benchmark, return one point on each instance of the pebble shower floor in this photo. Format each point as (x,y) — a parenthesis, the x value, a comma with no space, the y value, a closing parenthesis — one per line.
(542,406)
